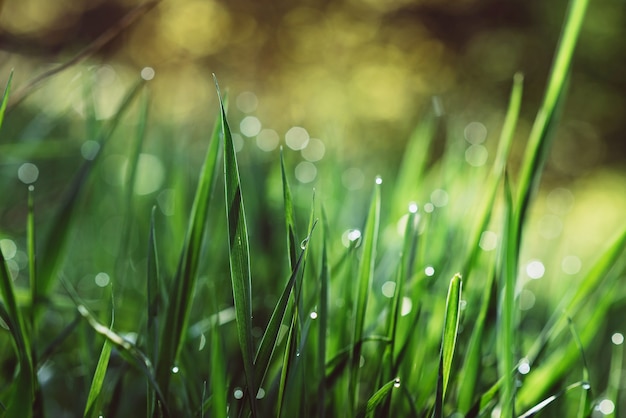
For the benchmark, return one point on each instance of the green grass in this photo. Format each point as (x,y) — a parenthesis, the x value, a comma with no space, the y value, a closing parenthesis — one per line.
(252,301)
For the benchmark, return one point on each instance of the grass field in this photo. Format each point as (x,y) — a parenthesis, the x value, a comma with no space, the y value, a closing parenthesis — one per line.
(149,274)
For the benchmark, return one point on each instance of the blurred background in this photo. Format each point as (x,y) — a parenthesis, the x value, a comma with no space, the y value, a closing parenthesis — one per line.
(346,78)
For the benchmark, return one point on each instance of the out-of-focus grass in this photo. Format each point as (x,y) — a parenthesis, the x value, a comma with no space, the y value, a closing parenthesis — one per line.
(251,318)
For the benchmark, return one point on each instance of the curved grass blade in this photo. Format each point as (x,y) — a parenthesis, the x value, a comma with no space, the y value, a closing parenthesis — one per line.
(22,399)
(55,242)
(541,135)
(239,255)
(364,284)
(378,397)
(5,98)
(219,405)
(448,341)
(177,315)
(129,352)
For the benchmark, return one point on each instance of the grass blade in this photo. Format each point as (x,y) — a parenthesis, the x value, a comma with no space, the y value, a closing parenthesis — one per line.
(94,399)
(177,314)
(507,307)
(129,352)
(615,374)
(364,284)
(448,341)
(22,399)
(323,317)
(290,223)
(153,288)
(540,135)
(541,405)
(5,98)
(378,397)
(239,256)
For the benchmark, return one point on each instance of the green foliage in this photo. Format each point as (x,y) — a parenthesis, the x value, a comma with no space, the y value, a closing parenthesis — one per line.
(356,317)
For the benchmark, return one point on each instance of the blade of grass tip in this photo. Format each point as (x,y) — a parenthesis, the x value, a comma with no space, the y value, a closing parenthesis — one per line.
(93,407)
(540,135)
(290,223)
(448,341)
(323,317)
(153,286)
(57,237)
(378,397)
(507,307)
(177,313)
(22,400)
(615,374)
(5,98)
(239,255)
(497,171)
(364,284)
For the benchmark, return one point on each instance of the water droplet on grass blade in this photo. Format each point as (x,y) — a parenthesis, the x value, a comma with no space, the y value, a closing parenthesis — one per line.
(617,338)
(313,315)
(586,385)
(175,369)
(379,180)
(238,393)
(396,382)
(304,243)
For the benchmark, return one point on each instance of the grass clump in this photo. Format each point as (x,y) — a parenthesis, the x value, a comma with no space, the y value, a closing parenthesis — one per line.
(221,307)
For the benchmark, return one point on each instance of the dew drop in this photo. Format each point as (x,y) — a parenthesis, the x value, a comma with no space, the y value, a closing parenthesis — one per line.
(617,338)
(238,393)
(304,243)
(586,385)
(379,180)
(396,382)
(313,315)
(175,369)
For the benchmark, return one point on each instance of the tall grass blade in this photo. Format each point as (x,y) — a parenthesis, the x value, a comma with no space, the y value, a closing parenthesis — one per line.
(325,275)
(540,135)
(32,271)
(219,388)
(448,341)
(239,256)
(5,98)
(54,244)
(507,307)
(23,396)
(95,396)
(290,223)
(153,285)
(364,284)
(177,314)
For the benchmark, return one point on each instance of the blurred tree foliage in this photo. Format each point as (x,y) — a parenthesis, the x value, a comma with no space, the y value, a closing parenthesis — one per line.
(357,73)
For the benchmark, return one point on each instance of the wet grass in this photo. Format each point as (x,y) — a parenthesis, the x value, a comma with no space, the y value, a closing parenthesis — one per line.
(270,298)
